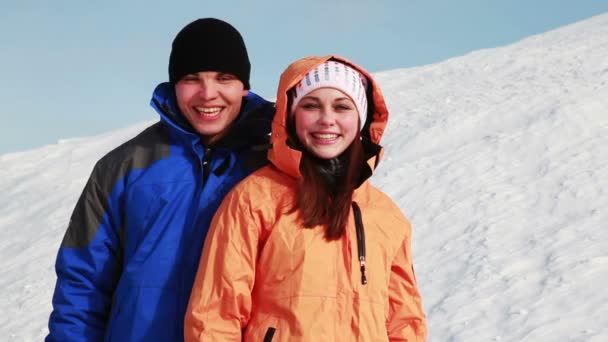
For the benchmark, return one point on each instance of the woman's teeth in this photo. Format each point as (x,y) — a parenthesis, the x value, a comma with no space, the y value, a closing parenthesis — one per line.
(325,136)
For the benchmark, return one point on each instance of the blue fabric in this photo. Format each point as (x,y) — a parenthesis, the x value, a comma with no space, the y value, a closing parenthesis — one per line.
(132,280)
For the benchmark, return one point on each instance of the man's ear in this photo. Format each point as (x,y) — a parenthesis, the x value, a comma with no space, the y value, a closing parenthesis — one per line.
(245,92)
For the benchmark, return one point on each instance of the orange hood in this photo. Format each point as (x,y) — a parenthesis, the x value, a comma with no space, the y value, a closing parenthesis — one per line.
(287,159)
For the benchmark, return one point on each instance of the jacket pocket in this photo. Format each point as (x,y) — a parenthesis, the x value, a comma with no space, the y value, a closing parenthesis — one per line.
(115,312)
(269,334)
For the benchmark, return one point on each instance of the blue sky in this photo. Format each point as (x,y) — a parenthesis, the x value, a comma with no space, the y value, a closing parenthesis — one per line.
(73,68)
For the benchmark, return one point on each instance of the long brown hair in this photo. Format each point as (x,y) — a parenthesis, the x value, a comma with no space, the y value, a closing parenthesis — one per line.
(320,203)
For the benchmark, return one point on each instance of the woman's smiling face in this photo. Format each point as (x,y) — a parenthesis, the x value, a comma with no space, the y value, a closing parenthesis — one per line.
(326,121)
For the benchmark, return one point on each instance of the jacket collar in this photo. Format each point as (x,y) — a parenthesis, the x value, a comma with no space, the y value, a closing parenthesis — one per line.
(251,126)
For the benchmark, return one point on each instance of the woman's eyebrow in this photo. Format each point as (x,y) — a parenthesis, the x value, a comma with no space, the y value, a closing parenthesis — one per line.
(311,97)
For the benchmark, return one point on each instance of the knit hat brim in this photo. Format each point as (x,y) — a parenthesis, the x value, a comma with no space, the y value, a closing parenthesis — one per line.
(337,75)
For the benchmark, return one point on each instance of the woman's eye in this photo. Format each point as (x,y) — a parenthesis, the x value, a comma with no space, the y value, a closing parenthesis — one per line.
(309,105)
(343,107)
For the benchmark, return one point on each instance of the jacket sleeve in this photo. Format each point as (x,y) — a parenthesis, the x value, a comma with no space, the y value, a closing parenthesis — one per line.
(220,302)
(87,265)
(407,321)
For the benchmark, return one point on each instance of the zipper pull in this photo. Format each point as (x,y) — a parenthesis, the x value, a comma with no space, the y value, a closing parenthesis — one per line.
(363,276)
(206,166)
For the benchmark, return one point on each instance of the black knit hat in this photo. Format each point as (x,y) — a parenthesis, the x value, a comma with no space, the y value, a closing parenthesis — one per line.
(209,44)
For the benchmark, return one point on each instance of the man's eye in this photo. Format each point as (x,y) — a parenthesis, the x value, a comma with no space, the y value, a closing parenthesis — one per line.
(226,77)
(190,78)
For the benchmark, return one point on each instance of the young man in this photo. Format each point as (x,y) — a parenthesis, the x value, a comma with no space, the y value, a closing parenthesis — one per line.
(127,262)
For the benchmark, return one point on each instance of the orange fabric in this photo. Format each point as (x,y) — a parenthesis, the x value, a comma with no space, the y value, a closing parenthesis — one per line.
(260,269)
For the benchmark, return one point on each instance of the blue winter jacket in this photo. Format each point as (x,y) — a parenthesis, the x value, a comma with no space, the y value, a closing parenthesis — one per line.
(127,263)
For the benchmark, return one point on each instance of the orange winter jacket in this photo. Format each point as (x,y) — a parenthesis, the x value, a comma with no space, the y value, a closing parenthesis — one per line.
(263,277)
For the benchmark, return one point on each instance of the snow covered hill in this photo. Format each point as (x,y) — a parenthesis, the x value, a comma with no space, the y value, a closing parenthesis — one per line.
(499,158)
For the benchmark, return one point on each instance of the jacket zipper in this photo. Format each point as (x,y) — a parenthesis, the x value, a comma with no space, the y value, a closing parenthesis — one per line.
(360,240)
(206,164)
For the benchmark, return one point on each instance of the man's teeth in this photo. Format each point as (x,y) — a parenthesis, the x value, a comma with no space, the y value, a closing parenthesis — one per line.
(327,136)
(208,111)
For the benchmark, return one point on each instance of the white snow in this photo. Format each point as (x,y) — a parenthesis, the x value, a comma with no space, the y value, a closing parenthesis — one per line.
(499,158)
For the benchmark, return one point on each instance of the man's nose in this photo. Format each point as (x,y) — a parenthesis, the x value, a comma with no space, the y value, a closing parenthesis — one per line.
(208,90)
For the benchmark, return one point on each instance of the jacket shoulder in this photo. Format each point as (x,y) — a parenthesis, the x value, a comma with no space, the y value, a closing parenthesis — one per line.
(389,213)
(264,185)
(264,194)
(139,152)
(149,146)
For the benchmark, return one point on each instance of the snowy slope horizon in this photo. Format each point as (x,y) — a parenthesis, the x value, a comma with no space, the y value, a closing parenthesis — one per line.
(499,158)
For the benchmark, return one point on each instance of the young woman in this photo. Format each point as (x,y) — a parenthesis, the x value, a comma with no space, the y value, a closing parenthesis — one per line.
(306,249)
